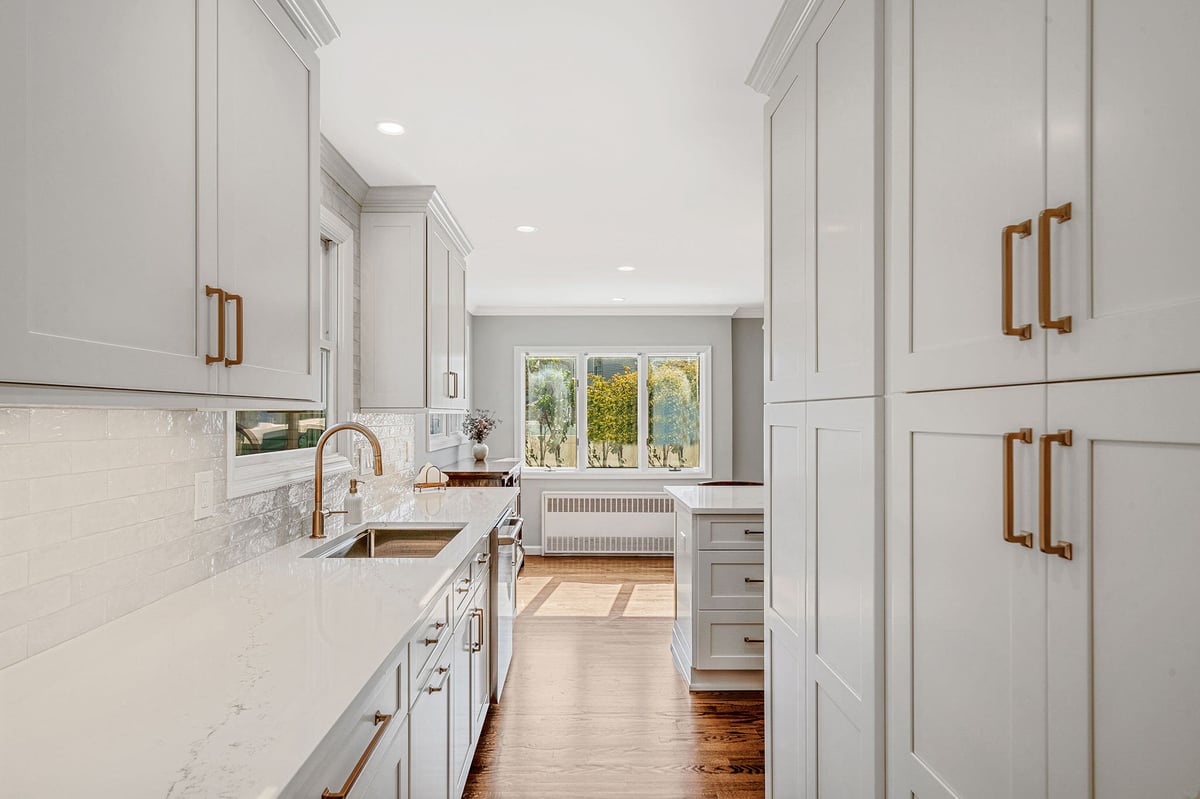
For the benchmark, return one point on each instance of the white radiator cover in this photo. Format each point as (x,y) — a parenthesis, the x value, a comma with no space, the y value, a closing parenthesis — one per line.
(608,523)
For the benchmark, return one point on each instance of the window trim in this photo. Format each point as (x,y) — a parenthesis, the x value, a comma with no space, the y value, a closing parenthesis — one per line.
(643,472)
(251,474)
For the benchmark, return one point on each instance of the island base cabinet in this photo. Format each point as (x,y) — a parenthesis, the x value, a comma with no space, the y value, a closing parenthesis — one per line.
(429,732)
(387,775)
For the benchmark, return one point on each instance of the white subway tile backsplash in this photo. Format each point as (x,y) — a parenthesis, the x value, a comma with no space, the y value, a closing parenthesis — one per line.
(14,498)
(33,602)
(14,425)
(67,623)
(24,533)
(14,645)
(67,424)
(14,572)
(67,491)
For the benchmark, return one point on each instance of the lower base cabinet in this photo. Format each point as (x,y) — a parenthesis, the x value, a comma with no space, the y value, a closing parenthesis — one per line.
(429,732)
(387,776)
(784,684)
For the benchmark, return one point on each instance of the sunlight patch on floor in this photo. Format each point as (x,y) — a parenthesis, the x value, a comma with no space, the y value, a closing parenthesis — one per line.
(651,600)
(527,589)
(580,600)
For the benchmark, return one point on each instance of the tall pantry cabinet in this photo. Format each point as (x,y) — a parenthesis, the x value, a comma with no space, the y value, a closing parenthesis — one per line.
(1040,535)
(1039,424)
(824,423)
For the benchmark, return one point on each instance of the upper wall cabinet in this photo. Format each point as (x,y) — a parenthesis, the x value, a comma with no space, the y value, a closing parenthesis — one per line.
(1040,208)
(143,164)
(824,227)
(414,308)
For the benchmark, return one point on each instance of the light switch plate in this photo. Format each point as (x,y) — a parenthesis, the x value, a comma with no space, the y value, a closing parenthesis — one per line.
(204,495)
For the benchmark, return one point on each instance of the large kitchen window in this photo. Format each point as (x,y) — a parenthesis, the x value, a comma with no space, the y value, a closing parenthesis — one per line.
(615,412)
(267,448)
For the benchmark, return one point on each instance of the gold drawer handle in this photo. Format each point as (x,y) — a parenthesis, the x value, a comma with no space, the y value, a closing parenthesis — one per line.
(440,670)
(467,582)
(750,640)
(1063,324)
(1025,436)
(222,299)
(1021,231)
(752,580)
(477,644)
(382,720)
(236,299)
(1046,491)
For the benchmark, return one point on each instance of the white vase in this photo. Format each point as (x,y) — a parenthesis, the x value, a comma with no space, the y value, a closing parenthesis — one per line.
(480,451)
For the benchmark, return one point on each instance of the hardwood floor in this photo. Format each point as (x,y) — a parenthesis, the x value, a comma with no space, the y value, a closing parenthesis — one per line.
(594,707)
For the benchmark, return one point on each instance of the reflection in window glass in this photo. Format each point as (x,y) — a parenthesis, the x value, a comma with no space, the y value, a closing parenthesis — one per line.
(673,388)
(612,412)
(276,431)
(550,433)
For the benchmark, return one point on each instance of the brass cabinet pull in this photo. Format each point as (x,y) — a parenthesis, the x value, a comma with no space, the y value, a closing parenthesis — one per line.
(1045,492)
(222,298)
(236,299)
(455,376)
(466,581)
(752,532)
(477,645)
(440,670)
(1025,436)
(382,720)
(752,580)
(748,640)
(437,625)
(1021,231)
(1062,213)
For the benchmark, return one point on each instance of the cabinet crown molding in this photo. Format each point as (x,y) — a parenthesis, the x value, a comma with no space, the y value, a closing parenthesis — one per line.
(784,37)
(313,20)
(421,199)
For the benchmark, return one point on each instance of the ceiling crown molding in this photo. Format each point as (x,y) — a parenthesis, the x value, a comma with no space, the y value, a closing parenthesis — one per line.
(421,199)
(781,42)
(313,20)
(341,170)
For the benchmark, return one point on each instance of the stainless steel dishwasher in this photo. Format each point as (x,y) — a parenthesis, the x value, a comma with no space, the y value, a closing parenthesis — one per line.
(508,555)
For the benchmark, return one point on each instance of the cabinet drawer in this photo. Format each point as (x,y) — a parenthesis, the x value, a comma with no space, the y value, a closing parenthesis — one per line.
(729,580)
(729,639)
(433,630)
(729,532)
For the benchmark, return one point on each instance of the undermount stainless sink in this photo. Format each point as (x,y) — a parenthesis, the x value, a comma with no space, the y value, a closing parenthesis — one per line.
(399,540)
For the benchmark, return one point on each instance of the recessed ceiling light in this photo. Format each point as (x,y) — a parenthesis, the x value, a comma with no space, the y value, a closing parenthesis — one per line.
(626,268)
(390,128)
(618,299)
(526,229)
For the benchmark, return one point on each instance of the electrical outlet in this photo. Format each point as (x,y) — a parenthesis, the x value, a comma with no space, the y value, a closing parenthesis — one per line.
(204,495)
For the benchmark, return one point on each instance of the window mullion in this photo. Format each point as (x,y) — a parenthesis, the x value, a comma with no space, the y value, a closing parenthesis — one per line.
(643,414)
(581,431)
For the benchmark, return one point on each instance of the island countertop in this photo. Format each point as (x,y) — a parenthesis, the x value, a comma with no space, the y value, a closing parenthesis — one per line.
(223,689)
(719,499)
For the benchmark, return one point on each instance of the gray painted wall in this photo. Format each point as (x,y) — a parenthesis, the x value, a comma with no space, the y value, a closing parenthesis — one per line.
(748,399)
(494,342)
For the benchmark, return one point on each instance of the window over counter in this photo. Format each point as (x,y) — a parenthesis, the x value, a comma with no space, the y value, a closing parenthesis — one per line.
(268,449)
(610,412)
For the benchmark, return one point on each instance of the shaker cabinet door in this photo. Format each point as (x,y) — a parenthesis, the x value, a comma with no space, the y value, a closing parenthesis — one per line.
(439,381)
(268,174)
(1124,111)
(1124,647)
(966,162)
(967,644)
(103,267)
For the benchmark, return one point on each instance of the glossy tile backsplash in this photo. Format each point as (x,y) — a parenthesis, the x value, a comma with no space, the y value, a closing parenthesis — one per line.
(96,513)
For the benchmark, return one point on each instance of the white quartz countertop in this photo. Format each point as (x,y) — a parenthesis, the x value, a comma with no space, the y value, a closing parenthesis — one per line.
(719,499)
(225,688)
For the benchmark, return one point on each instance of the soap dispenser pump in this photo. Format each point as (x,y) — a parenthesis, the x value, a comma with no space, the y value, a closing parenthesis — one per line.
(354,505)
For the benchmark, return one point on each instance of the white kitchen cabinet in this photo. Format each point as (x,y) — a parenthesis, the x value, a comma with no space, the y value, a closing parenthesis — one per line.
(1123,669)
(429,730)
(461,715)
(967,645)
(414,311)
(1045,157)
(1123,114)
(967,145)
(386,777)
(717,639)
(1043,635)
(824,287)
(268,201)
(182,181)
(481,655)
(785,724)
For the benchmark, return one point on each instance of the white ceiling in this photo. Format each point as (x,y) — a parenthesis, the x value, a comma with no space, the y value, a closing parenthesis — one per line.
(620,128)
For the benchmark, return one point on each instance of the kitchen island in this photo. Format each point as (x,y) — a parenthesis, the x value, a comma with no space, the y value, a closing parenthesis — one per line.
(717,639)
(229,688)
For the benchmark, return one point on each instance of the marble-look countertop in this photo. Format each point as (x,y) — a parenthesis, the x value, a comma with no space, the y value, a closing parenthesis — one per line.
(223,689)
(719,499)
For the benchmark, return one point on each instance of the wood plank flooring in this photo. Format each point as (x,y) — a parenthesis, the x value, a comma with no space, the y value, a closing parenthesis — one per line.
(594,707)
